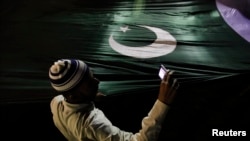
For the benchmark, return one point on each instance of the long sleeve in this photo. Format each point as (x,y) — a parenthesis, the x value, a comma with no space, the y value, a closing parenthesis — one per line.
(152,124)
(99,128)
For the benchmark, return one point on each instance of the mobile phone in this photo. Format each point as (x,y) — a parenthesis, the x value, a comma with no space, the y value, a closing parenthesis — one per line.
(162,71)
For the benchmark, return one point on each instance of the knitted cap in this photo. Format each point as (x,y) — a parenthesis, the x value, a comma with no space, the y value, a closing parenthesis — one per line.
(65,74)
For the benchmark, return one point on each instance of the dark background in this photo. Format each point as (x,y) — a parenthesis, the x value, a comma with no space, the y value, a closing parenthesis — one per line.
(34,34)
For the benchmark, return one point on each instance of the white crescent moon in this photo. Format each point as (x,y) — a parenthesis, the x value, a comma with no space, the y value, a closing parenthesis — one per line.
(164,44)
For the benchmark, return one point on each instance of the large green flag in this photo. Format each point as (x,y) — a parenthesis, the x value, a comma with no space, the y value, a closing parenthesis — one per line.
(124,42)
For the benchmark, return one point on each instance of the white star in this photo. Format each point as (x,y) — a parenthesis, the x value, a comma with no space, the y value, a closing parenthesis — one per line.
(124,29)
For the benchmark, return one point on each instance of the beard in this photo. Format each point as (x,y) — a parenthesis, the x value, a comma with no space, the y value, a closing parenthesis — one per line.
(93,93)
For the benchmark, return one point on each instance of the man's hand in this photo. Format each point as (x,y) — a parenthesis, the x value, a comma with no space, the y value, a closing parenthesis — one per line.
(168,88)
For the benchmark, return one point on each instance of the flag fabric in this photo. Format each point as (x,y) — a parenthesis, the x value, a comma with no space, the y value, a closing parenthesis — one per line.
(124,43)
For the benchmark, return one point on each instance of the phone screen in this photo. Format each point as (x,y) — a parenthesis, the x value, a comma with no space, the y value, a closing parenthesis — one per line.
(162,71)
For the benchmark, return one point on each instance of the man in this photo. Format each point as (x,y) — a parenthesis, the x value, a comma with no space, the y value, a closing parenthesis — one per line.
(76,116)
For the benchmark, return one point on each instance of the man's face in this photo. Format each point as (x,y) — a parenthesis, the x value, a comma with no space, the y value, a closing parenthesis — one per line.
(89,86)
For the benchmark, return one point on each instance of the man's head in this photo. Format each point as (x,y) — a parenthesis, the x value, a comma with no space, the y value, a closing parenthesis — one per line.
(73,78)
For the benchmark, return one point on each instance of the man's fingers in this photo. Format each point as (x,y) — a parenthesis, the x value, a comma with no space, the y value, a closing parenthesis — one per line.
(168,88)
(174,87)
(165,78)
(172,91)
(175,83)
(168,77)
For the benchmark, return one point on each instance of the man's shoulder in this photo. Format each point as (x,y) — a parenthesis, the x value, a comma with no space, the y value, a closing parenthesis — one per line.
(97,117)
